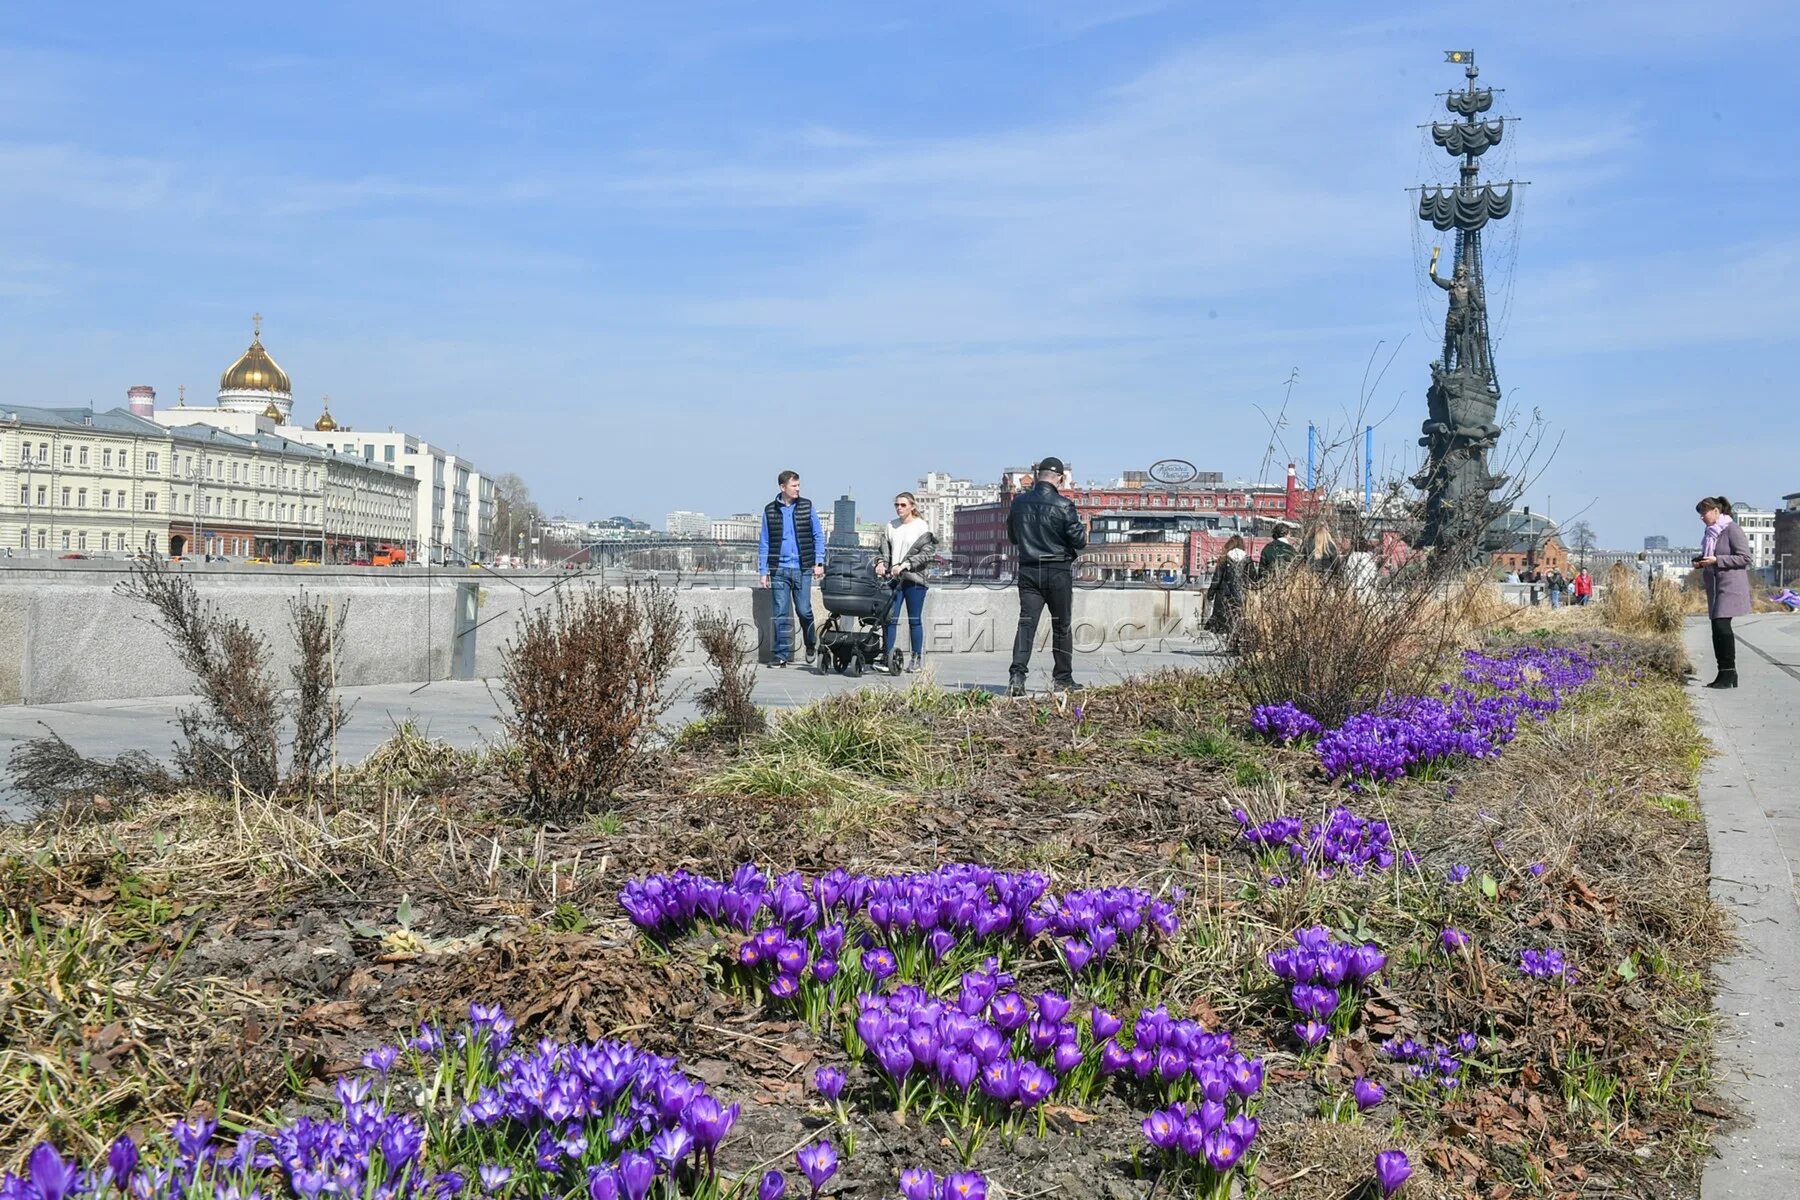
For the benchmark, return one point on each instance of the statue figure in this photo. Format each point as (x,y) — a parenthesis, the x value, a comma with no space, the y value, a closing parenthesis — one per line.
(1461,336)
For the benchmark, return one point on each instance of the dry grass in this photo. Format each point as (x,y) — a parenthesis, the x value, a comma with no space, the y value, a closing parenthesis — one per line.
(96,1033)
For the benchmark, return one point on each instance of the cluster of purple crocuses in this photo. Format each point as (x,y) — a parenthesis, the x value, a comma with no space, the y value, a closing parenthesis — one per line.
(601,1117)
(1343,840)
(1198,1138)
(916,1183)
(883,919)
(1434,1062)
(1284,722)
(990,1041)
(1323,974)
(1473,720)
(1545,964)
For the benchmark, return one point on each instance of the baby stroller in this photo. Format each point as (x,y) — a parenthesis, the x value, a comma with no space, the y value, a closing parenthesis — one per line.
(858,602)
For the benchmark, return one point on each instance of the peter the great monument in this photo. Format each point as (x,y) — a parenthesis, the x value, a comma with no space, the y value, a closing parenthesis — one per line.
(1465,395)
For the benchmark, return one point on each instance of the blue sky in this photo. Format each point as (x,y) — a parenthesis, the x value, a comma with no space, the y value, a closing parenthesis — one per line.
(648,255)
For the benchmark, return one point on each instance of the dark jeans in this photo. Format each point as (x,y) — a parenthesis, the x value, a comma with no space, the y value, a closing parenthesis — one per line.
(1724,644)
(1051,586)
(912,595)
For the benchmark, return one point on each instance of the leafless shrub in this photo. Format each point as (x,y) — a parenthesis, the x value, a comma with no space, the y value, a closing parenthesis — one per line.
(587,679)
(52,772)
(318,715)
(1334,643)
(231,737)
(728,703)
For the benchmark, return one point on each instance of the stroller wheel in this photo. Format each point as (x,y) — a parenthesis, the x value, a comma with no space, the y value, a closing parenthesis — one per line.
(896,662)
(854,668)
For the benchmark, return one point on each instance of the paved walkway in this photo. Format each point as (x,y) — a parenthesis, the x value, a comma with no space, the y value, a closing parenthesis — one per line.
(1750,794)
(467,714)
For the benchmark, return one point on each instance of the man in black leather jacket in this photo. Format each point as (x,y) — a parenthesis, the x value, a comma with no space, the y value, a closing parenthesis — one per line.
(1047,533)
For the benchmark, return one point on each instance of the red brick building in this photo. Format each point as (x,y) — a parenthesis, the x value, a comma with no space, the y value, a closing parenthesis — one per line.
(1138,532)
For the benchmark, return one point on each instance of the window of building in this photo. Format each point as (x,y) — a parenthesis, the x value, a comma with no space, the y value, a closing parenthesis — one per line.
(43,453)
(150,461)
(106,541)
(24,539)
(387,453)
(184,502)
(65,539)
(43,539)
(68,455)
(84,456)
(65,500)
(149,501)
(106,458)
(43,495)
(81,498)
(105,498)
(234,472)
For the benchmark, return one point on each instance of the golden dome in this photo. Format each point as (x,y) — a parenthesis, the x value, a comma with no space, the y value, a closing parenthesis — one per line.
(325,424)
(273,413)
(255,371)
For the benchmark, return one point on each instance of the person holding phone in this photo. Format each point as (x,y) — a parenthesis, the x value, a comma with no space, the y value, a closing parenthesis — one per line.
(1724,563)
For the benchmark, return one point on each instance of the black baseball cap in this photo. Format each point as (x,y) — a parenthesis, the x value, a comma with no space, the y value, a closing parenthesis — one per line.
(1052,464)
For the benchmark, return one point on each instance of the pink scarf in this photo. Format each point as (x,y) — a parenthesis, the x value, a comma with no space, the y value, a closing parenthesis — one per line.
(1709,540)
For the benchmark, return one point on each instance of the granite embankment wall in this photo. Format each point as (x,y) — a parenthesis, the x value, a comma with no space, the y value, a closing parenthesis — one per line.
(66,635)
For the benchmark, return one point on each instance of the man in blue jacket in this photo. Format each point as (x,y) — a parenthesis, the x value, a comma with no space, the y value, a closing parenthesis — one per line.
(791,553)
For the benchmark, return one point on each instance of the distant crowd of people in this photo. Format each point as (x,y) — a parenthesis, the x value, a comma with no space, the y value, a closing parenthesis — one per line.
(1235,573)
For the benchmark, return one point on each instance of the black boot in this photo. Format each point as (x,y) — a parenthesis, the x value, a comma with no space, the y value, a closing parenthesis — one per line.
(1726,679)
(1015,685)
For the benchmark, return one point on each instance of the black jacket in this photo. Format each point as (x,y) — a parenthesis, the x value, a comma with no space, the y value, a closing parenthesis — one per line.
(1045,526)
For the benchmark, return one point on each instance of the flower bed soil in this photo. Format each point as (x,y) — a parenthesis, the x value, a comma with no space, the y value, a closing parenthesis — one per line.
(1580,837)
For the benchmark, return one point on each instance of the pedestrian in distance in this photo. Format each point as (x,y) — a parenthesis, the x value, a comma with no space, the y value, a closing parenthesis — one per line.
(1556,585)
(1278,551)
(1584,587)
(1046,533)
(907,548)
(1322,552)
(791,554)
(1230,588)
(1646,571)
(1724,562)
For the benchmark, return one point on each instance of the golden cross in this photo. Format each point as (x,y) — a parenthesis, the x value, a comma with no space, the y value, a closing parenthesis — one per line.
(257,318)
(181,394)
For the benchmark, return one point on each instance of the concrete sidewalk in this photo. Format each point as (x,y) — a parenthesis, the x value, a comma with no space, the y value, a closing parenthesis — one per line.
(468,714)
(1750,793)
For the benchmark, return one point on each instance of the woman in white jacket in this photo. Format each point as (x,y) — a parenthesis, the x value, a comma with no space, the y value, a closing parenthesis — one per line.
(907,547)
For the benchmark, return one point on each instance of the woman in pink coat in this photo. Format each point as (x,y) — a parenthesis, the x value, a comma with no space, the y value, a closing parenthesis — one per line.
(1724,563)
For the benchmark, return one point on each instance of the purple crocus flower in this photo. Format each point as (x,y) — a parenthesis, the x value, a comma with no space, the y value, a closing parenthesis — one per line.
(1367,1092)
(1391,1170)
(879,963)
(773,1186)
(818,1162)
(52,1176)
(494,1176)
(671,1146)
(1311,1032)
(830,1082)
(916,1183)
(1104,1024)
(966,1185)
(603,1183)
(637,1171)
(1536,868)
(381,1059)
(1457,873)
(121,1161)
(1467,1042)
(1454,939)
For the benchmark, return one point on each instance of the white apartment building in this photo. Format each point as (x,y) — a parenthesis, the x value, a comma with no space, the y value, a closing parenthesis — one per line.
(738,527)
(1758,525)
(684,524)
(939,497)
(106,484)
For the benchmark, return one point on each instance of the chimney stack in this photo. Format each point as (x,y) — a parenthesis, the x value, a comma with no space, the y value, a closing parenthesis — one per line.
(142,400)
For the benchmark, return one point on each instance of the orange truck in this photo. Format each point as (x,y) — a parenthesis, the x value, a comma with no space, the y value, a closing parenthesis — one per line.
(388,556)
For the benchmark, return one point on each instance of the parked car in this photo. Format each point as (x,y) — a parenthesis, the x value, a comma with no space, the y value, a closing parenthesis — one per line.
(74,556)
